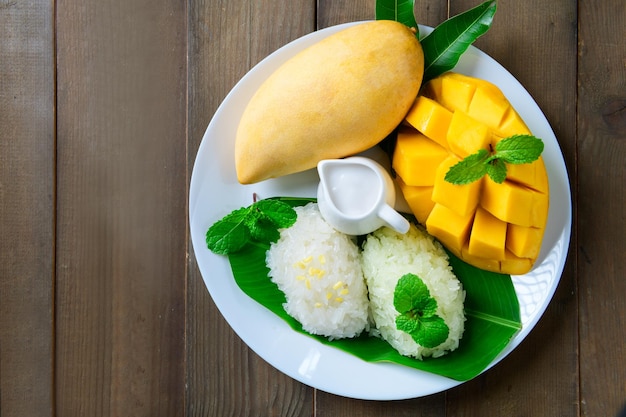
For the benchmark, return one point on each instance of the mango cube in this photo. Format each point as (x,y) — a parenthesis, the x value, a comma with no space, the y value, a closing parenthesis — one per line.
(462,199)
(453,93)
(532,175)
(524,242)
(480,261)
(430,118)
(488,236)
(512,124)
(488,106)
(497,227)
(515,265)
(467,135)
(514,203)
(449,227)
(416,158)
(418,199)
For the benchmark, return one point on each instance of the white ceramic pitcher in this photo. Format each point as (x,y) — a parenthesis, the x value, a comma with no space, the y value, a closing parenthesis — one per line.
(356,196)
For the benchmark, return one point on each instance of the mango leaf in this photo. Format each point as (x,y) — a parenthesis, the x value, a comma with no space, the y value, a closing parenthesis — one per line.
(491,307)
(399,10)
(449,40)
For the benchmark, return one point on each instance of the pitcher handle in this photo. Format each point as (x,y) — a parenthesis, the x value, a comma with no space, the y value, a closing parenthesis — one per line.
(393,219)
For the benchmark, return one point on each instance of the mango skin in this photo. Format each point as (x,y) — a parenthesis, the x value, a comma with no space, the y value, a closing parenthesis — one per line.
(336,98)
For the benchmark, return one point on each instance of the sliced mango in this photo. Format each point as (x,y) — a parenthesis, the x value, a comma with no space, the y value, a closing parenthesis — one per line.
(462,199)
(515,265)
(431,119)
(481,262)
(523,242)
(488,108)
(514,203)
(466,135)
(497,227)
(488,236)
(414,149)
(449,227)
(419,200)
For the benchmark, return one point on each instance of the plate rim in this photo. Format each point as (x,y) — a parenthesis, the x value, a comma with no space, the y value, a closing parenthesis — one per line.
(297,368)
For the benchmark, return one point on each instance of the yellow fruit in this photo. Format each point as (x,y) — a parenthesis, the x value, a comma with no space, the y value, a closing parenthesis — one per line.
(336,98)
(498,227)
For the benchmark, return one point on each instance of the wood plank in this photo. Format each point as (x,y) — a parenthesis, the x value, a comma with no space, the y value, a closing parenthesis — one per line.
(121,243)
(26,207)
(601,177)
(536,42)
(332,13)
(224,377)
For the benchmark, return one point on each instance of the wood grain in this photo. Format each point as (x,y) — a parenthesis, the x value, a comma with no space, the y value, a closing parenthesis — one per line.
(121,181)
(226,39)
(332,13)
(601,200)
(547,360)
(26,208)
(103,311)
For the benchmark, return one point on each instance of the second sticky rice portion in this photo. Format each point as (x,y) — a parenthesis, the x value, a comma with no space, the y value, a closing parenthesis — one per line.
(386,257)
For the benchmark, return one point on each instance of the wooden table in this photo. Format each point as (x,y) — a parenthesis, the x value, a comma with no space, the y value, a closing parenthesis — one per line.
(103,311)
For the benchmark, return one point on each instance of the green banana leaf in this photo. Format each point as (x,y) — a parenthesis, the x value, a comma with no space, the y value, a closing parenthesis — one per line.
(491,305)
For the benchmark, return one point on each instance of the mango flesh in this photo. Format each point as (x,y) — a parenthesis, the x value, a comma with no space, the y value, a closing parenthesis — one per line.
(336,98)
(497,227)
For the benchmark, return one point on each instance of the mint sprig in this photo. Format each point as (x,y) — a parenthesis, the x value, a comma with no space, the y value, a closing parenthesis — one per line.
(516,149)
(418,309)
(258,222)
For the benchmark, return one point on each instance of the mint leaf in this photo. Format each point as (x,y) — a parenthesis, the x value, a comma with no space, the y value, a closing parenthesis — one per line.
(496,169)
(407,324)
(433,332)
(281,214)
(411,293)
(258,222)
(229,234)
(519,149)
(418,309)
(468,170)
(516,149)
(449,40)
(264,231)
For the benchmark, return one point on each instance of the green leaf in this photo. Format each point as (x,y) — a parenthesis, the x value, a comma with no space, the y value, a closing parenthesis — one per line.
(496,169)
(433,332)
(258,222)
(278,212)
(448,41)
(519,149)
(516,149)
(491,305)
(469,169)
(406,324)
(229,234)
(399,10)
(264,231)
(411,294)
(418,309)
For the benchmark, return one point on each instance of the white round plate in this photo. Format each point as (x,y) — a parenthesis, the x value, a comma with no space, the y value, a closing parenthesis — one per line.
(215,192)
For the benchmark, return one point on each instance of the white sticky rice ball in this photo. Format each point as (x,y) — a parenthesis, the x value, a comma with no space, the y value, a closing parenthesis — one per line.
(318,269)
(387,256)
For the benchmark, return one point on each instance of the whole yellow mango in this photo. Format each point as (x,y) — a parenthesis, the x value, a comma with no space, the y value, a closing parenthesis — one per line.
(336,98)
(497,227)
